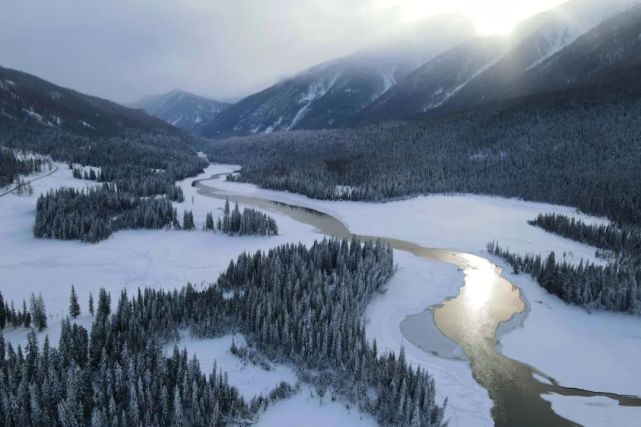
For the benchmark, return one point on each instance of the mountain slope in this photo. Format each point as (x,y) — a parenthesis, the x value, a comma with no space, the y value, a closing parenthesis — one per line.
(434,83)
(333,93)
(181,109)
(609,55)
(28,101)
(541,38)
(492,69)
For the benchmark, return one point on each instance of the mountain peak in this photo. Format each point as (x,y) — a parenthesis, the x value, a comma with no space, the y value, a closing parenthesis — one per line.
(182,109)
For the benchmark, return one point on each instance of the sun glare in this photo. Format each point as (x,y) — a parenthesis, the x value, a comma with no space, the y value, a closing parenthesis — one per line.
(489,16)
(494,21)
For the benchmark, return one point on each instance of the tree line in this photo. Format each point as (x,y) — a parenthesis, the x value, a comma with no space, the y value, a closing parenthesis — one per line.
(249,222)
(11,166)
(296,304)
(620,239)
(83,174)
(92,215)
(614,287)
(35,316)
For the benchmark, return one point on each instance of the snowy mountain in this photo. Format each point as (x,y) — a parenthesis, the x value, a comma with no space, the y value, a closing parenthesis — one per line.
(181,109)
(492,69)
(608,56)
(333,93)
(536,40)
(434,83)
(28,101)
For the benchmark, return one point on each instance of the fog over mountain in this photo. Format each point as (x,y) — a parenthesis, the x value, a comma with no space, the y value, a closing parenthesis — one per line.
(124,49)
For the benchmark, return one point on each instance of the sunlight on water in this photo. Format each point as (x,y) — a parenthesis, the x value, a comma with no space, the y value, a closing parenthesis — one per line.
(486,300)
(481,285)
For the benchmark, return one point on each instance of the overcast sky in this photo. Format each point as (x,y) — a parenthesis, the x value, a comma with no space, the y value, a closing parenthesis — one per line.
(125,49)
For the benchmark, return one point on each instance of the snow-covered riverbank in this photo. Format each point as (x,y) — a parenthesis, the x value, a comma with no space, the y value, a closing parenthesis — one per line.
(418,284)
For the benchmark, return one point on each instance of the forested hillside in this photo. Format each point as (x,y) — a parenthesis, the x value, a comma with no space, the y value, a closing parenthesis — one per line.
(29,100)
(553,58)
(43,118)
(578,148)
(310,315)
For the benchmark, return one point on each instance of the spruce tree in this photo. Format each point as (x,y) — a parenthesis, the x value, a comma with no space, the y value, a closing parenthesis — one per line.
(26,315)
(3,314)
(74,307)
(104,304)
(38,312)
(188,221)
(209,221)
(91,309)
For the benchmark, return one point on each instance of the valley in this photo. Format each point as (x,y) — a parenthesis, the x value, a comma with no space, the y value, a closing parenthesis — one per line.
(387,213)
(417,285)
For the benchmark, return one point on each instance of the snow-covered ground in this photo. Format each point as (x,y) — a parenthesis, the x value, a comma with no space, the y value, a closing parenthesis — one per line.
(308,410)
(595,351)
(458,222)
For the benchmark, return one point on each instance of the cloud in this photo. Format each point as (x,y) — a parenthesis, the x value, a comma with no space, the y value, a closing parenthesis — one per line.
(124,49)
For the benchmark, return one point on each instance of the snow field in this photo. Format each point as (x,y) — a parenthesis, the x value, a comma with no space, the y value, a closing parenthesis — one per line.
(594,411)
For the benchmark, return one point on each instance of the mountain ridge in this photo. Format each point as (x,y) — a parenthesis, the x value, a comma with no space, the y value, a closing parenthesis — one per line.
(332,93)
(488,70)
(28,100)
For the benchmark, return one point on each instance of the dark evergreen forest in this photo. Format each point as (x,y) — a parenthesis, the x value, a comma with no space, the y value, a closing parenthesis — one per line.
(581,152)
(143,164)
(296,304)
(93,215)
(248,222)
(11,166)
